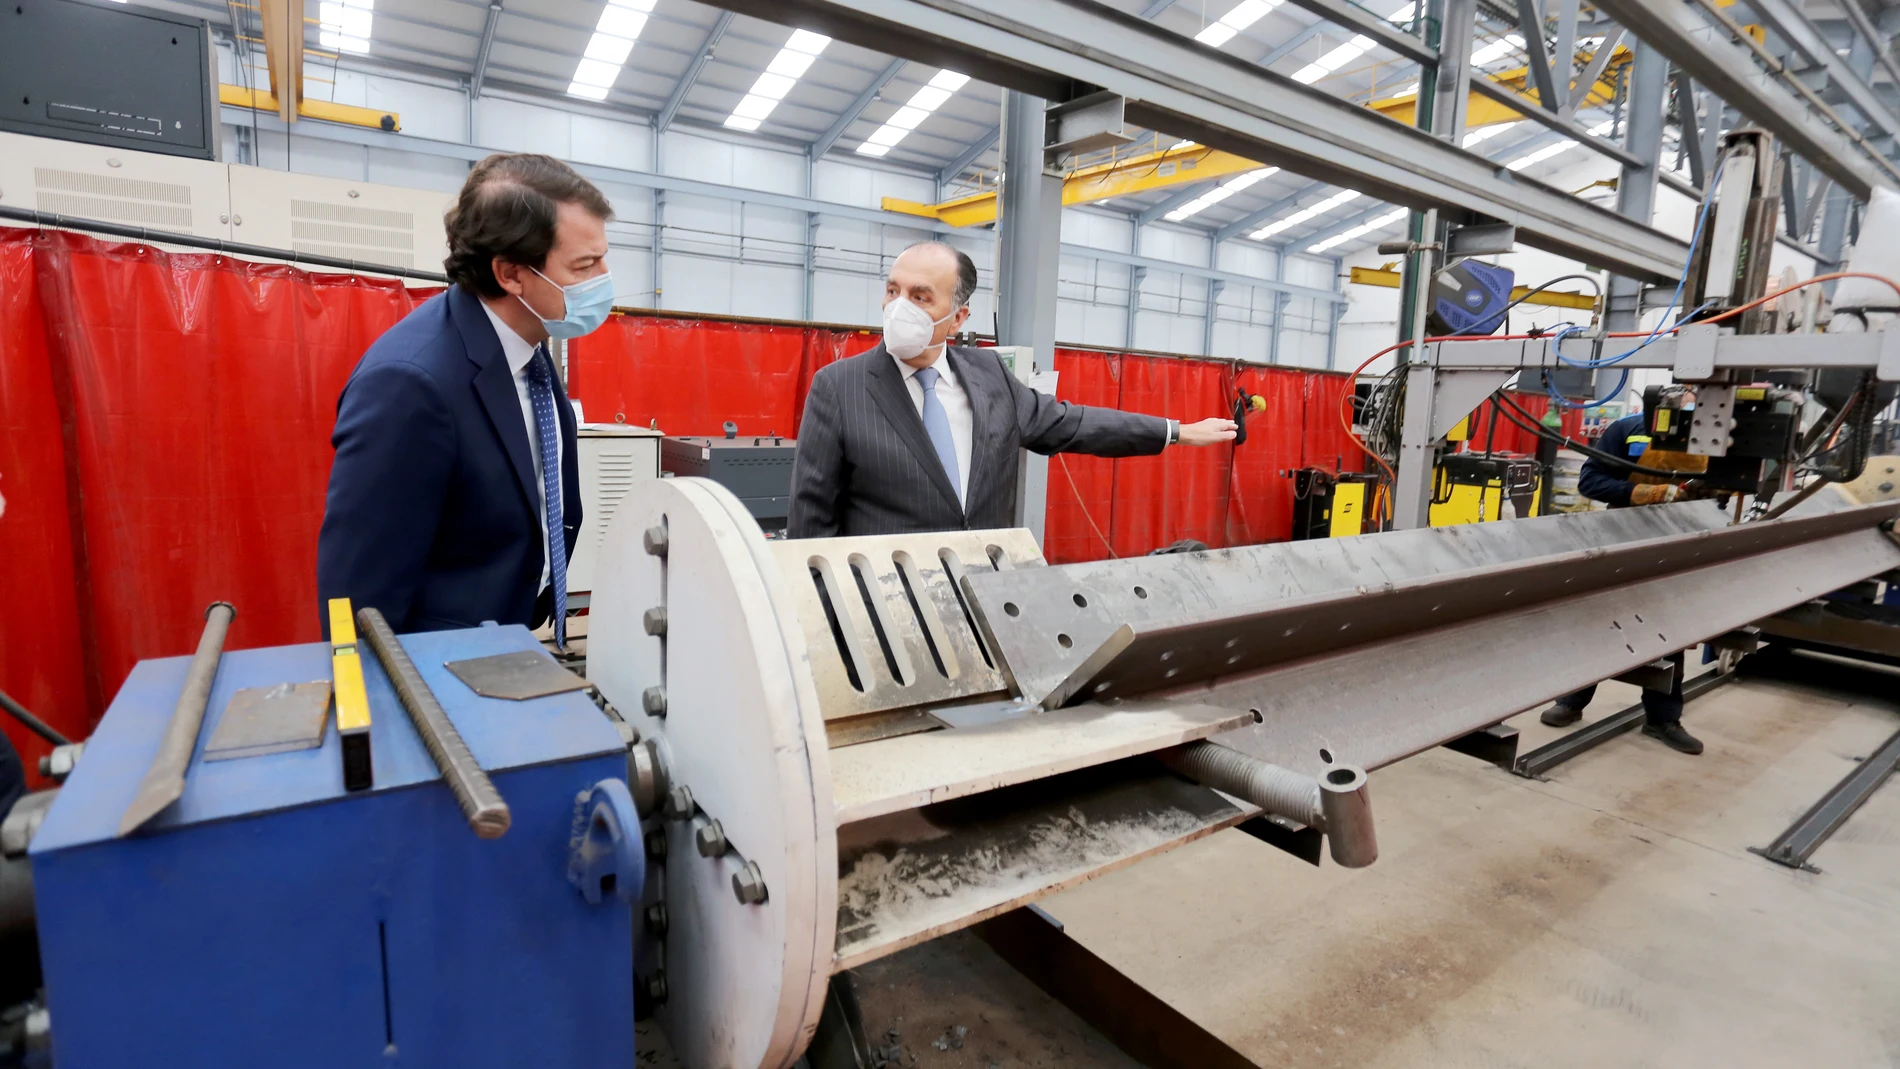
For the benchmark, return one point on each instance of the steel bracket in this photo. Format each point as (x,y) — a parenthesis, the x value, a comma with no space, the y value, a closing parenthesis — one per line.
(1695,352)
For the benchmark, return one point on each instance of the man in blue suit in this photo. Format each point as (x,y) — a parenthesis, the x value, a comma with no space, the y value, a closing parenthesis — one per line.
(455,496)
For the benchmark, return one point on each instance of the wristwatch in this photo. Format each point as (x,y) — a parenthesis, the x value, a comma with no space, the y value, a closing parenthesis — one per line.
(1174,432)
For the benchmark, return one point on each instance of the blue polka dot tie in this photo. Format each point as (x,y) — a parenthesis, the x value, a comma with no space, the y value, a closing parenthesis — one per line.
(548,427)
(937,425)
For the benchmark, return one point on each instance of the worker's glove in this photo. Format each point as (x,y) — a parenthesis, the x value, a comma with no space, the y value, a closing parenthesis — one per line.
(1655,494)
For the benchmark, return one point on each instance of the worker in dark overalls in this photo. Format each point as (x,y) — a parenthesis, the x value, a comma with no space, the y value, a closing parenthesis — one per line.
(1619,488)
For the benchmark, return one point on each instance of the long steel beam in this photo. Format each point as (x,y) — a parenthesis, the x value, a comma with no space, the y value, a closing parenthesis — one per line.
(1679,30)
(1051,48)
(1311,635)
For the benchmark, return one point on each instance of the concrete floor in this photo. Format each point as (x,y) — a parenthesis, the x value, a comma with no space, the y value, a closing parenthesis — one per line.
(1610,916)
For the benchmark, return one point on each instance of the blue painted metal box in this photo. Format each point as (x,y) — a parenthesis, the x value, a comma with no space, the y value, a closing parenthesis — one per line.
(269,918)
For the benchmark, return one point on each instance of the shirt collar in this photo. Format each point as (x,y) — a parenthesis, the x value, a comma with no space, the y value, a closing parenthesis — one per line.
(516,348)
(944,372)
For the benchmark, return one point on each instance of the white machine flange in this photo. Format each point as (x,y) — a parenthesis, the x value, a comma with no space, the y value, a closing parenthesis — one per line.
(744,732)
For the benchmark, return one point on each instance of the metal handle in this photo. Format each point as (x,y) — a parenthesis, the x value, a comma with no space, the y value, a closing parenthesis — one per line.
(481,803)
(164,781)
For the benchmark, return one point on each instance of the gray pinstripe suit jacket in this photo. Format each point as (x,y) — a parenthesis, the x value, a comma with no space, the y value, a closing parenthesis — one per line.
(865,465)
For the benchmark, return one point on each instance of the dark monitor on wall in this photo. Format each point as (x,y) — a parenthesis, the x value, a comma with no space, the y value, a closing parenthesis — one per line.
(108,74)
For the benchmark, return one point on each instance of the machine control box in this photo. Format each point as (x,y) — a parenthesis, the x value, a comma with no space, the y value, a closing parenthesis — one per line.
(757,469)
(271,917)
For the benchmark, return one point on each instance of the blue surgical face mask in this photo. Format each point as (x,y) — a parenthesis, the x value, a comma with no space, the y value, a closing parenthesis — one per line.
(587,306)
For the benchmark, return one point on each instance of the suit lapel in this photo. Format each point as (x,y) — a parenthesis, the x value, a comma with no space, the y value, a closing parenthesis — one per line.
(893,398)
(495,385)
(983,422)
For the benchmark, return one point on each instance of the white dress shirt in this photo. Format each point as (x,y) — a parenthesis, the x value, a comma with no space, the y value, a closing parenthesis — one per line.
(520,352)
(956,405)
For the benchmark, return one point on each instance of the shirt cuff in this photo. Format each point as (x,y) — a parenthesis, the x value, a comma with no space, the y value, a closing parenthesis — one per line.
(1170,433)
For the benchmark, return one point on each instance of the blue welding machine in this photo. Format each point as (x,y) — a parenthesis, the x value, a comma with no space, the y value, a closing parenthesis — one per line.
(269,917)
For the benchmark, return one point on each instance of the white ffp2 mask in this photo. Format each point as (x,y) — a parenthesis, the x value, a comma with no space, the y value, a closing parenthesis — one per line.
(907,328)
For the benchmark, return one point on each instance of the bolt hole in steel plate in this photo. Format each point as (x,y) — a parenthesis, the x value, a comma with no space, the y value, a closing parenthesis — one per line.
(517,675)
(743,730)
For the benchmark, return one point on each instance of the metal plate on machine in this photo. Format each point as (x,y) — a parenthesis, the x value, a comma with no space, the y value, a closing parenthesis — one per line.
(884,617)
(516,676)
(267,720)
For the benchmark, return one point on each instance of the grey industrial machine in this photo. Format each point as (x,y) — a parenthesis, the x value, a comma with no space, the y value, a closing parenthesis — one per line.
(108,74)
(756,468)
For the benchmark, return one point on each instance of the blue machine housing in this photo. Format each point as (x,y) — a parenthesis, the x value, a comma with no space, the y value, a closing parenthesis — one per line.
(269,918)
(1470,297)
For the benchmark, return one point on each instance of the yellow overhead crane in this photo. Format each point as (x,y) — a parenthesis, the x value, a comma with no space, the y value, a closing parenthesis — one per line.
(1199,163)
(284,22)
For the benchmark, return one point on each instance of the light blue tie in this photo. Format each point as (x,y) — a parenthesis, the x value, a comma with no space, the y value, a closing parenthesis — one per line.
(541,395)
(937,425)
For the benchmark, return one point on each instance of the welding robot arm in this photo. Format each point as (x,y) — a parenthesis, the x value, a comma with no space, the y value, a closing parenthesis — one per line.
(395,450)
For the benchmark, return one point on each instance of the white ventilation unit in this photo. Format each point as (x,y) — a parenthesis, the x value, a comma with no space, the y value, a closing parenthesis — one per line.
(372,235)
(613,459)
(121,200)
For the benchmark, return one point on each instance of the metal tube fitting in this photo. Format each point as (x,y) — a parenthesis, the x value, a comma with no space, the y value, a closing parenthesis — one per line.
(1346,813)
(1335,804)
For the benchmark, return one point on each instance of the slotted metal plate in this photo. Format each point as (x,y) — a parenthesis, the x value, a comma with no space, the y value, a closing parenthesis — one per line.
(884,616)
(516,676)
(267,720)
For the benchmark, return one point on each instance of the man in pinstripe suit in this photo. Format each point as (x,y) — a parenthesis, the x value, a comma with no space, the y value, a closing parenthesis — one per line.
(919,435)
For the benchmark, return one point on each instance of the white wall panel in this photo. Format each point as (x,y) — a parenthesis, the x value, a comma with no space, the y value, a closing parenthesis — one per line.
(1170,243)
(847,298)
(1078,323)
(626,145)
(518,127)
(866,187)
(1096,230)
(726,163)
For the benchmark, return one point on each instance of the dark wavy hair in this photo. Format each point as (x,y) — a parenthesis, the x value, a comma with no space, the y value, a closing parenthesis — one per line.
(507,209)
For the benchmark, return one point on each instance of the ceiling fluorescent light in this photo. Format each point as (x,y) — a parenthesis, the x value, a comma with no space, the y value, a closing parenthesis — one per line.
(1358,231)
(345,25)
(620,24)
(1305,214)
(777,80)
(925,100)
(1238,18)
(1220,193)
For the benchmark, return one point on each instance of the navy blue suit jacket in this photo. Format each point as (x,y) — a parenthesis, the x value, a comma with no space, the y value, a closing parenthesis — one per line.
(432,513)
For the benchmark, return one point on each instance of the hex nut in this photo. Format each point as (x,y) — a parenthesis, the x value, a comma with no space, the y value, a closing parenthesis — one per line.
(656,987)
(710,837)
(655,620)
(655,540)
(656,844)
(656,918)
(748,884)
(679,803)
(653,700)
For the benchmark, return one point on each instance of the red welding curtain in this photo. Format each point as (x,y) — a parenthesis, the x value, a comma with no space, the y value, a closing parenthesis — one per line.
(193,395)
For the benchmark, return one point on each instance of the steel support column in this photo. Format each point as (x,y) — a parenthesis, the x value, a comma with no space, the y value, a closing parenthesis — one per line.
(1028,257)
(1636,186)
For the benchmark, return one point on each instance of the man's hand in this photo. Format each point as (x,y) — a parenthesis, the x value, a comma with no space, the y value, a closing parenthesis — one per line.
(1650,493)
(1207,432)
